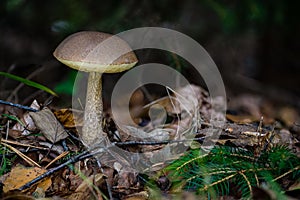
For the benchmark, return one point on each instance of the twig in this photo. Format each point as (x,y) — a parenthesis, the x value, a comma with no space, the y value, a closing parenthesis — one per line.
(18,106)
(26,158)
(21,144)
(53,170)
(286,173)
(57,158)
(106,181)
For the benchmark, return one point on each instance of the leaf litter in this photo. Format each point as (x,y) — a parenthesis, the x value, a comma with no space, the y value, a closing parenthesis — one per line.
(183,116)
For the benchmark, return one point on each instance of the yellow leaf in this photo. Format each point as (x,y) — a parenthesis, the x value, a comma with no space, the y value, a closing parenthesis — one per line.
(20,175)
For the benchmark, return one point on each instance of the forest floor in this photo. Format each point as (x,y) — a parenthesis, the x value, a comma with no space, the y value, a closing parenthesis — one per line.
(256,155)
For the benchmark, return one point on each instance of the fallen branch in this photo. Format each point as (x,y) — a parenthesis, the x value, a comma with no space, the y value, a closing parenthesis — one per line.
(53,170)
(18,106)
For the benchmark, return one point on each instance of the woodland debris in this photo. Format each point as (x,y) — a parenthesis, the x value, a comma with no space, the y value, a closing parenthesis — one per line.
(20,175)
(46,121)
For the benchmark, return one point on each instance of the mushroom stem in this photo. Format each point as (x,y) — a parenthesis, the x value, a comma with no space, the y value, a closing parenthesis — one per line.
(92,132)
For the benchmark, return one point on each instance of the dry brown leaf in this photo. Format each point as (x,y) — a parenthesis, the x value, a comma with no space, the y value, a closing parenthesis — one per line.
(46,121)
(20,175)
(83,190)
(70,118)
(27,121)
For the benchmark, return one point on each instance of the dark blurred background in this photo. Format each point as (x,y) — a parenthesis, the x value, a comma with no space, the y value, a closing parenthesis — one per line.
(254,43)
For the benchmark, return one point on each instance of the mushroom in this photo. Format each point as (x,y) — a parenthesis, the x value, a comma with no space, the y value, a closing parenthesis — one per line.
(95,53)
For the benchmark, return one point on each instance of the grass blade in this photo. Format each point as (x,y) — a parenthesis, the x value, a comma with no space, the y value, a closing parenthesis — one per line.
(29,83)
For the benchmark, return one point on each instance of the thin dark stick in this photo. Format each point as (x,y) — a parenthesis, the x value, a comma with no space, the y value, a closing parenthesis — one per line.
(51,171)
(18,106)
(106,181)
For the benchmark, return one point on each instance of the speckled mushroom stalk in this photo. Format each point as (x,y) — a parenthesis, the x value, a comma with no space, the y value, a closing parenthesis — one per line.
(92,130)
(81,51)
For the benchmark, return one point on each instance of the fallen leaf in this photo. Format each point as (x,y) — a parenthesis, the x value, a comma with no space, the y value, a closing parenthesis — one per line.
(46,121)
(83,190)
(70,118)
(28,124)
(20,175)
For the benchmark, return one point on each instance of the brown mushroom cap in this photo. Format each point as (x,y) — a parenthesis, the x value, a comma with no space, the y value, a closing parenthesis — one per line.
(92,51)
